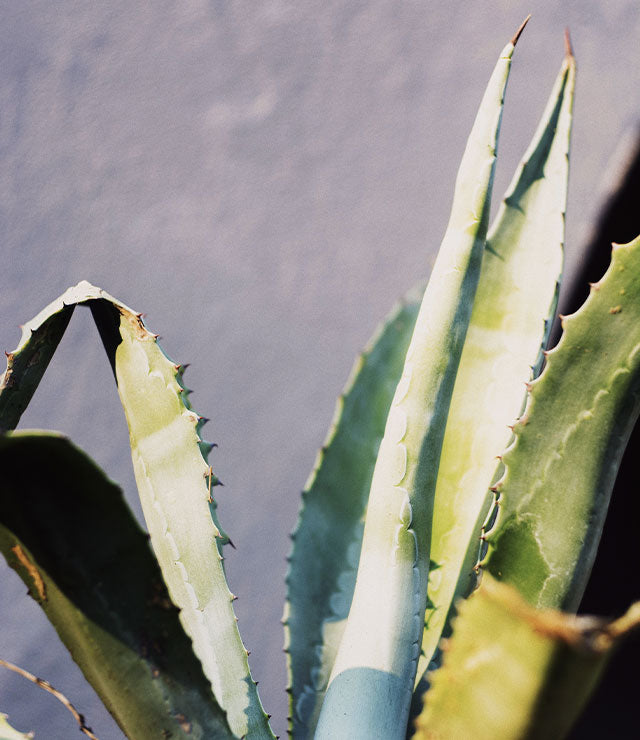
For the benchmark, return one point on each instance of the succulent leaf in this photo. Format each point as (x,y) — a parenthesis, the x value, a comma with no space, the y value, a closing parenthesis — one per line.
(378,653)
(560,469)
(174,482)
(511,671)
(404,512)
(516,262)
(328,535)
(40,338)
(27,363)
(69,534)
(514,307)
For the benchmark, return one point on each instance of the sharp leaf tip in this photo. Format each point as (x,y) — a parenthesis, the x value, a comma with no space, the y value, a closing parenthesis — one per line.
(518,33)
(568,48)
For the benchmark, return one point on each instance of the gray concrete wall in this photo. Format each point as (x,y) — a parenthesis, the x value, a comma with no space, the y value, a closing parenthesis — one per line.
(263,179)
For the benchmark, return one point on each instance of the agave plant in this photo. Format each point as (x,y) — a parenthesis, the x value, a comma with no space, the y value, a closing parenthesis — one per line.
(448,528)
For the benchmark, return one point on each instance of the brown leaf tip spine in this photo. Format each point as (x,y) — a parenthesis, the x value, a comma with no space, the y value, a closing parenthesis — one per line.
(568,48)
(518,33)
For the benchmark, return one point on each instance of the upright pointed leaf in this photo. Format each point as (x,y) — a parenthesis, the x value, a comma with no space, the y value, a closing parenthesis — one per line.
(512,314)
(321,574)
(378,654)
(328,535)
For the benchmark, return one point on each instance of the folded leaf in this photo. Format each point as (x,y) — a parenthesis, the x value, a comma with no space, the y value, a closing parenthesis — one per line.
(174,481)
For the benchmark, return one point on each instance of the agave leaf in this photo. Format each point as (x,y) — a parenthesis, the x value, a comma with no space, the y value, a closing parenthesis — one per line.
(27,363)
(174,481)
(378,653)
(328,535)
(612,710)
(40,338)
(561,467)
(68,532)
(511,671)
(512,315)
(321,571)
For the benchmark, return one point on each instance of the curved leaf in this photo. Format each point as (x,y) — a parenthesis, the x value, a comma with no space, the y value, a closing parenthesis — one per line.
(174,481)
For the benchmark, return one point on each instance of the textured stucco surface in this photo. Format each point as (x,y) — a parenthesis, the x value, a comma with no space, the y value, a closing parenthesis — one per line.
(263,179)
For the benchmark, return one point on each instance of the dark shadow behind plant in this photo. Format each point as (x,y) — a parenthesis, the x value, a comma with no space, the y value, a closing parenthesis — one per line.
(612,710)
